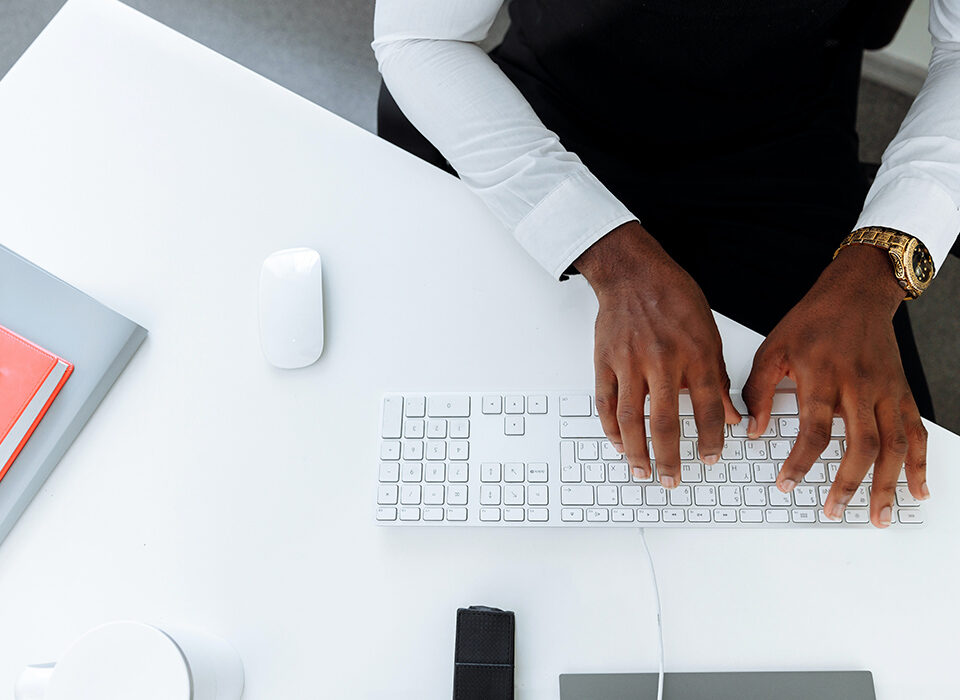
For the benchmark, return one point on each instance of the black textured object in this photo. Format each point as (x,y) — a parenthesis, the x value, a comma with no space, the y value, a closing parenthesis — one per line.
(483,658)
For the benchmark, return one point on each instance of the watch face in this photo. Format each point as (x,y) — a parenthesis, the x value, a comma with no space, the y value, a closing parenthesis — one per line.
(921,264)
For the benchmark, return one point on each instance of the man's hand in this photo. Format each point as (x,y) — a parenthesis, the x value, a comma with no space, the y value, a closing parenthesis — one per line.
(838,345)
(654,335)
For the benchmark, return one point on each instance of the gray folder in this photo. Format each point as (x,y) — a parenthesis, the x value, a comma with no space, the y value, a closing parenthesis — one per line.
(98,341)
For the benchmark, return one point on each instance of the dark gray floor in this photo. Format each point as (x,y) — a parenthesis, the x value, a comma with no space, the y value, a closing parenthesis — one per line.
(320,49)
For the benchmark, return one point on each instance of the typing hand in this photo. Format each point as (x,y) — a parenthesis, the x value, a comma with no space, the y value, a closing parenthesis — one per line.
(654,335)
(838,345)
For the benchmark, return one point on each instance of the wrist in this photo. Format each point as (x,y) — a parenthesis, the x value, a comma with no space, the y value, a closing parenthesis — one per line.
(621,254)
(865,272)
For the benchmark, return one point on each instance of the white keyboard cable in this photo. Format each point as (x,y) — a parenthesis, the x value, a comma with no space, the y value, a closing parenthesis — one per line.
(656,597)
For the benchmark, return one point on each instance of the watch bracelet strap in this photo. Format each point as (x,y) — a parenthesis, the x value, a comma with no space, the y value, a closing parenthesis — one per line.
(886,238)
(484,654)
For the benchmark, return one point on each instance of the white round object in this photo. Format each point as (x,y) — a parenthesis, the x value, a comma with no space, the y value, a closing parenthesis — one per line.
(120,661)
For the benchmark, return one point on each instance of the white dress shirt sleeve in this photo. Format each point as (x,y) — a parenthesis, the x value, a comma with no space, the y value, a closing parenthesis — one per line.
(463,103)
(917,189)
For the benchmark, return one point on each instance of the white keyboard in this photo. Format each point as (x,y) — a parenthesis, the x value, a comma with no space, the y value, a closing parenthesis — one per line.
(541,459)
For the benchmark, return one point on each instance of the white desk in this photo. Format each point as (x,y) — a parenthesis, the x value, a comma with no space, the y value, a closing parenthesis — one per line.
(212,489)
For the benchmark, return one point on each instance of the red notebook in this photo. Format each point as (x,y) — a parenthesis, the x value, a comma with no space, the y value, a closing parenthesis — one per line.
(30,379)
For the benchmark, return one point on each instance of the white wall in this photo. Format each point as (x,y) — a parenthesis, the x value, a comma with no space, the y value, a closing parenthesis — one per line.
(912,43)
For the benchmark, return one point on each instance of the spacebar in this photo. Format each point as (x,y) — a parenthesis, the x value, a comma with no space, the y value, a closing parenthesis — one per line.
(581,428)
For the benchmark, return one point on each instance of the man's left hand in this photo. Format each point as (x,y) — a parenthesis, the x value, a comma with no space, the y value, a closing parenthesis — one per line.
(839,346)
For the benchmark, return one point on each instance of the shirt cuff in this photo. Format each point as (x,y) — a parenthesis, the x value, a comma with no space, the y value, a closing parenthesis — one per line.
(918,207)
(574,216)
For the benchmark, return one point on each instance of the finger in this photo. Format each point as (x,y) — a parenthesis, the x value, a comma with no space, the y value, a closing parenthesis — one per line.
(816,418)
(886,469)
(706,394)
(630,399)
(863,446)
(916,460)
(758,391)
(605,397)
(665,428)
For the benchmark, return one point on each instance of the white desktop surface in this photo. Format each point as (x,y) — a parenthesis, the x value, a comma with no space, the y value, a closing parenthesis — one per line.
(212,489)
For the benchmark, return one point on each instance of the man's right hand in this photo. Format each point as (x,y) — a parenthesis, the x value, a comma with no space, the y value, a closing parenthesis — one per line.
(654,335)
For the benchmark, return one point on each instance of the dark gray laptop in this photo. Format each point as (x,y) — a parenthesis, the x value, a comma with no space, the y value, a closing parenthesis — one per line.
(786,685)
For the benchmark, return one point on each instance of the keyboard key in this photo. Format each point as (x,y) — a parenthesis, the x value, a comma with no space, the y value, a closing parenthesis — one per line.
(457,495)
(578,405)
(538,515)
(755,449)
(386,513)
(856,515)
(608,452)
(684,404)
(776,516)
(587,450)
(691,472)
(514,405)
(433,494)
(513,515)
(764,472)
(816,475)
(688,427)
(655,495)
(434,472)
(648,515)
(597,515)
(686,450)
(789,427)
(537,495)
(824,492)
(490,515)
(571,473)
(449,406)
(413,450)
(456,514)
(410,494)
(459,450)
(436,449)
(780,449)
(904,498)
(537,405)
(410,513)
(805,496)
(740,472)
(755,496)
(414,406)
(730,496)
(698,515)
(492,405)
(804,515)
(724,515)
(576,495)
(832,470)
(490,472)
(832,451)
(822,518)
(411,472)
(784,403)
(732,449)
(705,495)
(490,495)
(432,514)
(513,495)
(391,418)
(910,517)
(715,473)
(389,471)
(387,494)
(571,515)
(513,472)
(618,473)
(632,495)
(739,430)
(673,515)
(413,428)
(622,515)
(860,498)
(581,428)
(390,450)
(593,472)
(681,496)
(459,472)
(437,428)
(837,428)
(513,425)
(751,516)
(459,428)
(776,497)
(607,495)
(537,472)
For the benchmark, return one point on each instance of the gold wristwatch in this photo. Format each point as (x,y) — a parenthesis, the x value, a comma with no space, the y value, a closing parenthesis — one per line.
(912,264)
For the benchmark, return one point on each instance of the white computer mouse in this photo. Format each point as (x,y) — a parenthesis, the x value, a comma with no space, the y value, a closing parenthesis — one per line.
(291,308)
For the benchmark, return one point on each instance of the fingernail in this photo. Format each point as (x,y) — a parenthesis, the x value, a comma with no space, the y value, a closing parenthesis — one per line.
(711,459)
(751,426)
(668,482)
(886,515)
(637,473)
(788,485)
(618,447)
(924,491)
(836,513)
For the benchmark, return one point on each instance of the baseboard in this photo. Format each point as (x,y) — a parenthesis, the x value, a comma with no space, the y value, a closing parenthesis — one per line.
(892,72)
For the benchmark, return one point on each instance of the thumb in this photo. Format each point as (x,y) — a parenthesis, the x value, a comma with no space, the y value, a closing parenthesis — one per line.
(758,391)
